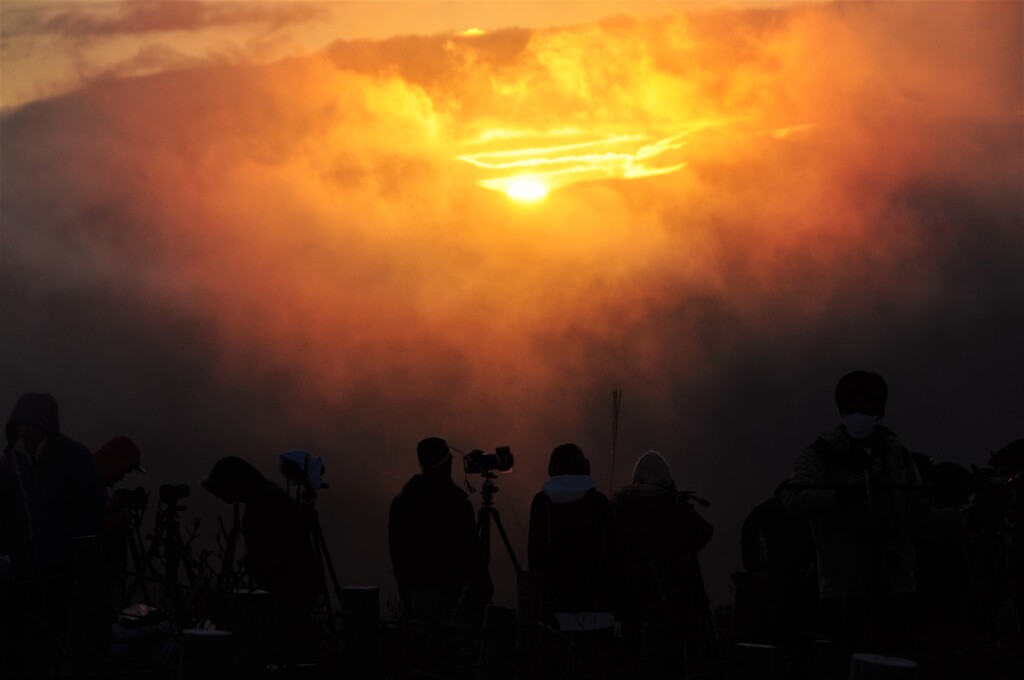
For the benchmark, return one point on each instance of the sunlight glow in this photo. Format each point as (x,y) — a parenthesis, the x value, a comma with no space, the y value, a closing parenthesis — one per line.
(525,189)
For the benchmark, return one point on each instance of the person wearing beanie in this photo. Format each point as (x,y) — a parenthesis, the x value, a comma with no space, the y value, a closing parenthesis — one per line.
(50,494)
(433,540)
(652,468)
(658,533)
(570,536)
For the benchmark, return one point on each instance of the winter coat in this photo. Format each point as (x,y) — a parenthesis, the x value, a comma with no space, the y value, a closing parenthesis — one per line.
(432,538)
(279,553)
(864,545)
(658,534)
(49,499)
(570,544)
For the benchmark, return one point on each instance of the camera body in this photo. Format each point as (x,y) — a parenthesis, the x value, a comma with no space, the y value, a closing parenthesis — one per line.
(304,470)
(130,500)
(477,462)
(172,493)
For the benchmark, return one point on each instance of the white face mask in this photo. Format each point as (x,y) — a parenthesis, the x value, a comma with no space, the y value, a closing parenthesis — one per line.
(859,425)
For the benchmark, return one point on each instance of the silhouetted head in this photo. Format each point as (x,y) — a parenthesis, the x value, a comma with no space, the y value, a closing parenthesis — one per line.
(434,456)
(33,418)
(1009,460)
(861,397)
(652,468)
(234,480)
(951,485)
(862,392)
(568,459)
(117,458)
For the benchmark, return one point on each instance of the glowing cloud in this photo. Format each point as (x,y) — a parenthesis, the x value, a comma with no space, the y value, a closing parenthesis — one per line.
(573,156)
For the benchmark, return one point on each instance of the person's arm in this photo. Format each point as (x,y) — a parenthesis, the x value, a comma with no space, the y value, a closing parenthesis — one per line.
(696,530)
(538,554)
(808,494)
(91,518)
(948,524)
(397,542)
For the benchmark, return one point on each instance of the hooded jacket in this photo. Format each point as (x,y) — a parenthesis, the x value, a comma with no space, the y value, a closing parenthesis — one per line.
(658,535)
(570,544)
(47,497)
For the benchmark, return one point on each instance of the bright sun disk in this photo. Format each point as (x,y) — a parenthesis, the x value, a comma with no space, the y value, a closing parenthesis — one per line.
(526,189)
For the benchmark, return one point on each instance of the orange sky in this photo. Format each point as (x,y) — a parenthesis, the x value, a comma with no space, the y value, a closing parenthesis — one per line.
(736,188)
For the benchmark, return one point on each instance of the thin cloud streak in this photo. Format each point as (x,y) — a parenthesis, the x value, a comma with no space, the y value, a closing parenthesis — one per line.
(104,20)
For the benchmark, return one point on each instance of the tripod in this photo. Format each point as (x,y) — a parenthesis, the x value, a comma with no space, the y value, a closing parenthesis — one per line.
(166,539)
(486,513)
(228,577)
(323,556)
(132,506)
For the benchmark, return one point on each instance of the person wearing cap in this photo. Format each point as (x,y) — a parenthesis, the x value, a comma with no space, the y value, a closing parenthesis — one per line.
(658,533)
(116,459)
(432,539)
(569,540)
(50,494)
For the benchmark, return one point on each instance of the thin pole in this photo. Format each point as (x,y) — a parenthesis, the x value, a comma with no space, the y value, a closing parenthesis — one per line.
(616,406)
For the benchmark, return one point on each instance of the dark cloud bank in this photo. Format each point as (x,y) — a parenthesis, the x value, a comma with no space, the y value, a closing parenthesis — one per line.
(244,260)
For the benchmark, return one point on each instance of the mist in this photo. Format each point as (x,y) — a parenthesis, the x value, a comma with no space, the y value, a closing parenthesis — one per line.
(246,258)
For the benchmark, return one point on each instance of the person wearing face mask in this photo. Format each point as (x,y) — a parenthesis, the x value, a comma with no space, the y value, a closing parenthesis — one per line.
(862,492)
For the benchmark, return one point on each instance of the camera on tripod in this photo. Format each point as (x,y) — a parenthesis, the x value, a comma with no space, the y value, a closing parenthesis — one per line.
(172,493)
(303,470)
(479,463)
(130,500)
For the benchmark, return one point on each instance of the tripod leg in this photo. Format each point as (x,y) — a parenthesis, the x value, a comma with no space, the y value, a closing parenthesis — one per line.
(504,539)
(483,523)
(185,557)
(133,549)
(141,573)
(318,534)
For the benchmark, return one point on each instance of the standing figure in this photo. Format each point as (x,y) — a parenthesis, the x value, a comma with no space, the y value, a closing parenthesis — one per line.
(570,542)
(114,460)
(277,532)
(658,534)
(433,541)
(862,492)
(780,549)
(50,494)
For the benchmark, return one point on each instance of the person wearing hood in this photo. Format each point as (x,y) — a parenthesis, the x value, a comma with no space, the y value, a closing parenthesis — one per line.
(658,534)
(569,540)
(432,539)
(279,553)
(50,494)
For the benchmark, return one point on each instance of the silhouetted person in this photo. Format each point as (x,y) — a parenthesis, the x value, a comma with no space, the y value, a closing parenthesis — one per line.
(114,460)
(780,547)
(942,568)
(861,490)
(50,493)
(657,534)
(279,554)
(997,542)
(569,542)
(433,541)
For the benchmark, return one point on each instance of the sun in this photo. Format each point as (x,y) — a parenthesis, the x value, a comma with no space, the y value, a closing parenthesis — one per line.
(526,189)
